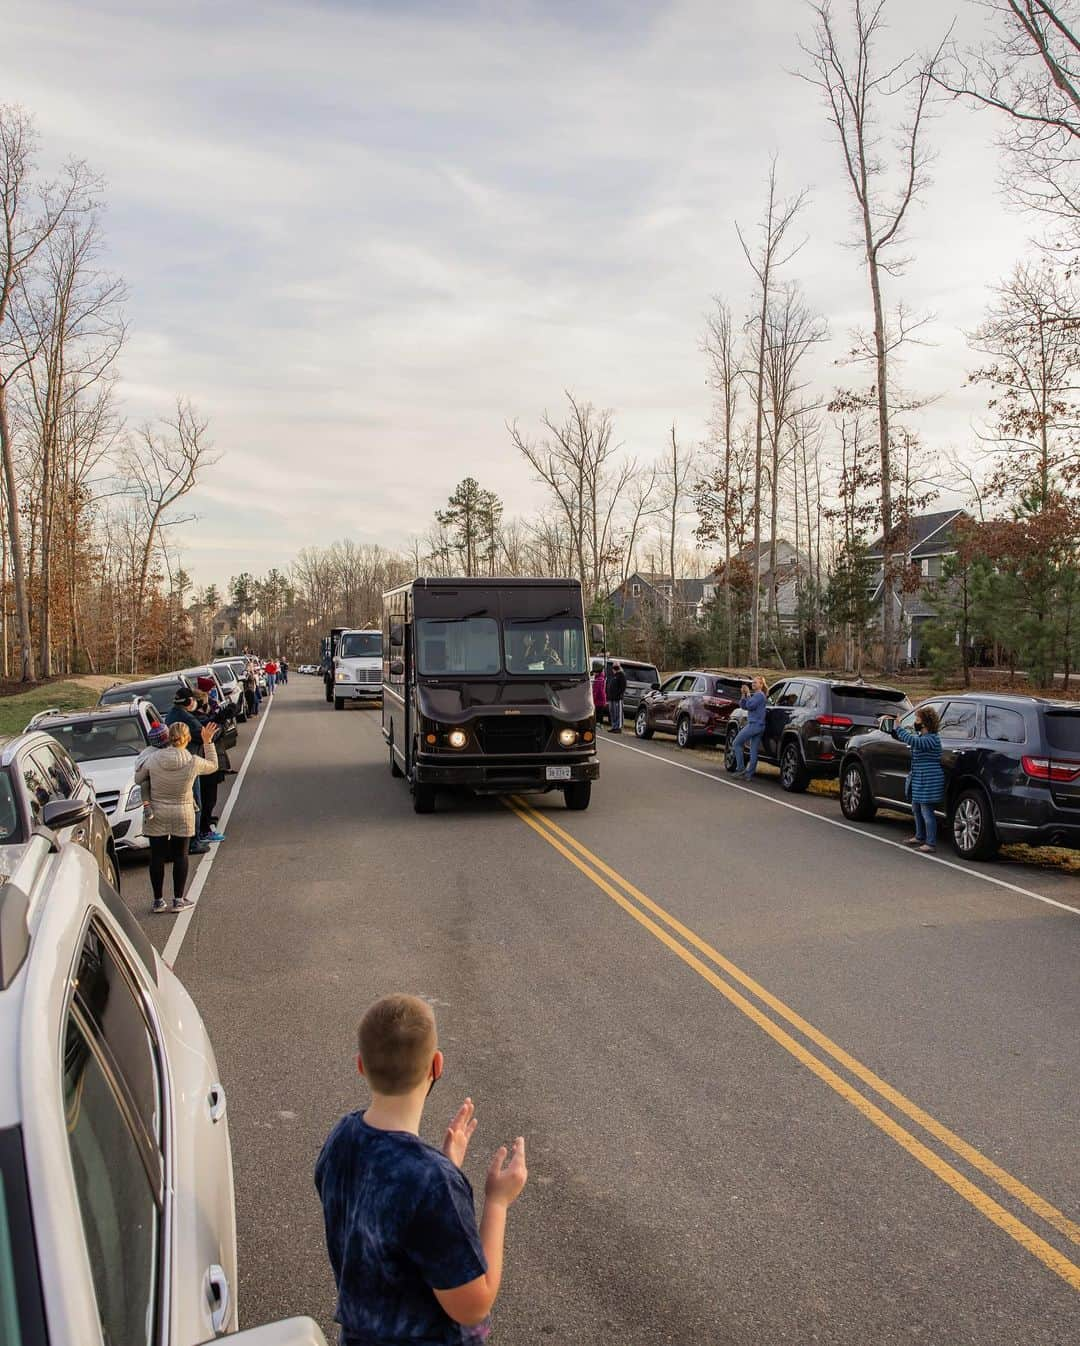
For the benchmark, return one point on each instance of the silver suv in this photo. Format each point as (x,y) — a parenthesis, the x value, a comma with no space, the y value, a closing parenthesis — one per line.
(117,1220)
(40,786)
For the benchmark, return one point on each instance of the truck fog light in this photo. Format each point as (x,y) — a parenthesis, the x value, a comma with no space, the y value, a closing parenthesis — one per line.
(568,737)
(430,738)
(457,738)
(587,736)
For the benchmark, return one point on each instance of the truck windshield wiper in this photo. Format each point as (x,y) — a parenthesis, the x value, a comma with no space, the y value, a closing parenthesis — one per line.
(480,612)
(536,621)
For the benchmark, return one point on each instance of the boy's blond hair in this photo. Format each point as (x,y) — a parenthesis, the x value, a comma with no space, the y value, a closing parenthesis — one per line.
(397,1042)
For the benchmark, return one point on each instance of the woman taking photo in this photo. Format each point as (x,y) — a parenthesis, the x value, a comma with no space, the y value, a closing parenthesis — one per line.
(171,772)
(926,783)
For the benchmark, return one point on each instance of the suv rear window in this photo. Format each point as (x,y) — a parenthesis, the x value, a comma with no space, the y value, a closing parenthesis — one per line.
(640,673)
(1063,730)
(868,701)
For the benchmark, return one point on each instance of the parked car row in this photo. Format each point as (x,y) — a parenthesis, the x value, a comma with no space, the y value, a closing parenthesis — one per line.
(1011,763)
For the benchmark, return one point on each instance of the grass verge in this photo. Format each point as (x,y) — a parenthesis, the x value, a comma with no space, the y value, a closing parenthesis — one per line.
(16,711)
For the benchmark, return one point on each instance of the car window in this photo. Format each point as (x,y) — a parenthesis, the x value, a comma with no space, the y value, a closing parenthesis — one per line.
(790,696)
(1063,730)
(700,685)
(671,683)
(1005,726)
(868,701)
(775,693)
(10,825)
(120,1215)
(60,775)
(686,683)
(730,688)
(809,695)
(97,740)
(37,786)
(641,673)
(959,720)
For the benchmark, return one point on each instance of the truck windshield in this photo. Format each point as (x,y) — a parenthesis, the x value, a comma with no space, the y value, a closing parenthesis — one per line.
(555,646)
(465,645)
(361,645)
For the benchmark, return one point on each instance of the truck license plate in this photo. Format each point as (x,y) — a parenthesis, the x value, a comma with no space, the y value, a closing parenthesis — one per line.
(558,773)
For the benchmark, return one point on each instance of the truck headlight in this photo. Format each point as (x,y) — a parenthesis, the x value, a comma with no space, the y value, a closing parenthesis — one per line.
(457,738)
(342,675)
(134,799)
(568,737)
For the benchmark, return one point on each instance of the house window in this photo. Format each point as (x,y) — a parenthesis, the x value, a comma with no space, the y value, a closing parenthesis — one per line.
(930,567)
(635,590)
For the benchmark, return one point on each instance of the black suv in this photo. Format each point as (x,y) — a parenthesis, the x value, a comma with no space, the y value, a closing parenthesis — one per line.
(640,678)
(1012,771)
(695,705)
(808,722)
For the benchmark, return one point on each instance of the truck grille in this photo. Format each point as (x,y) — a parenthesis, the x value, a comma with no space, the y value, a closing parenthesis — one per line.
(516,734)
(369,675)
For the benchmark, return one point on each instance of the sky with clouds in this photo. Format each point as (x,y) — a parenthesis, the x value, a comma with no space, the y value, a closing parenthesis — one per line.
(361,236)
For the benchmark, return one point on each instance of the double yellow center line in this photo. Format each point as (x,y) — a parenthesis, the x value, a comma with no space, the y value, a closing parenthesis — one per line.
(687,945)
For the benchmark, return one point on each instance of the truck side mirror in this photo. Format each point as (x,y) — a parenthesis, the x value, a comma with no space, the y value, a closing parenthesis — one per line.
(596,635)
(397,668)
(397,635)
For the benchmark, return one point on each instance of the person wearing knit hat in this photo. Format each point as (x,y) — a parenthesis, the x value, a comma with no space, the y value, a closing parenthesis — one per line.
(157,737)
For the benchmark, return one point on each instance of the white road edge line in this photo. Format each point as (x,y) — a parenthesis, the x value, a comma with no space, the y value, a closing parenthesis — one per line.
(180,927)
(847,827)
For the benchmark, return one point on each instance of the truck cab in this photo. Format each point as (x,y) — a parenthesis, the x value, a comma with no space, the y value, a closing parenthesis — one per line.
(358,668)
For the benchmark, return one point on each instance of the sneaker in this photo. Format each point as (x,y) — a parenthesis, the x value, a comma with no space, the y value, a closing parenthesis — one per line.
(927,850)
(198,847)
(213,836)
(181,904)
(159,907)
(913,841)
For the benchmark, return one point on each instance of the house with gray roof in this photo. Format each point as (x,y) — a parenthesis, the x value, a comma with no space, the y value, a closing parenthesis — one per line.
(926,544)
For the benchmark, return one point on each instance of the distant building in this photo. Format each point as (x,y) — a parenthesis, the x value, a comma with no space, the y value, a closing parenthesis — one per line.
(927,543)
(645,593)
(790,576)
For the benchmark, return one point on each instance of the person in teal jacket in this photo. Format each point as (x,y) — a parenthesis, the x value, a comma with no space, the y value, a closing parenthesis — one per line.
(926,782)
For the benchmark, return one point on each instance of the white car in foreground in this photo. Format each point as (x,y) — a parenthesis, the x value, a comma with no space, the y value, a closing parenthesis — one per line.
(117,1223)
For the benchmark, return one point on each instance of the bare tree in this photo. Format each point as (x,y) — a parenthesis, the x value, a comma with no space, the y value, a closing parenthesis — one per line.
(676,471)
(1029,71)
(765,258)
(580,464)
(858,93)
(163,467)
(30,214)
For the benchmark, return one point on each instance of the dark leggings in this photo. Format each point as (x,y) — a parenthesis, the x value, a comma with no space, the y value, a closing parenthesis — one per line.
(209,803)
(163,850)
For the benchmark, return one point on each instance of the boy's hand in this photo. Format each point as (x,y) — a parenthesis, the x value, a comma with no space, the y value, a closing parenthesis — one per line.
(459,1133)
(504,1184)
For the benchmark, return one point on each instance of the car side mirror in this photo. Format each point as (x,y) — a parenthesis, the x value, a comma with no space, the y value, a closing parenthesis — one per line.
(596,635)
(397,635)
(887,723)
(60,813)
(397,668)
(655,686)
(287,1332)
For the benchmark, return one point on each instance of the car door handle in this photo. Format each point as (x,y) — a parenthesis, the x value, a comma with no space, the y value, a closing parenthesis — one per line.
(218,1297)
(215,1102)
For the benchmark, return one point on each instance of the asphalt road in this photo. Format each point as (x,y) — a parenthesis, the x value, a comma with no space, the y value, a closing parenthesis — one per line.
(781,1080)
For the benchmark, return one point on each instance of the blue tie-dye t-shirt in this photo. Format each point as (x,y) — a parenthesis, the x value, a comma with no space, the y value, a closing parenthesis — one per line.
(400,1222)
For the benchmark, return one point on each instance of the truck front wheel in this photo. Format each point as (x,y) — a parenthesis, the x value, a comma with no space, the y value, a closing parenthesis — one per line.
(577,796)
(423,799)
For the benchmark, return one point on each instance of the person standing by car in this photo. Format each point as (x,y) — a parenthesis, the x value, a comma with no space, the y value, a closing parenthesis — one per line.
(599,693)
(615,687)
(183,712)
(270,668)
(250,684)
(926,782)
(171,773)
(753,702)
(283,672)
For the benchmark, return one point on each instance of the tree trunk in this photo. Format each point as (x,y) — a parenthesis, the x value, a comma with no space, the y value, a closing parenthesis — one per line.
(18,560)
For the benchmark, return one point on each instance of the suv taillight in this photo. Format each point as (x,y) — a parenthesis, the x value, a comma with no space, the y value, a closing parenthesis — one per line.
(835,721)
(1042,768)
(716,702)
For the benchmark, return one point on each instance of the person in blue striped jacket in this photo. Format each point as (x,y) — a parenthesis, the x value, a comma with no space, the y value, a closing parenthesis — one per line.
(926,782)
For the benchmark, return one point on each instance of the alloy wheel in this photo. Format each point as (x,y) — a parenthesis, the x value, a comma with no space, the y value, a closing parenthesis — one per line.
(968,825)
(851,790)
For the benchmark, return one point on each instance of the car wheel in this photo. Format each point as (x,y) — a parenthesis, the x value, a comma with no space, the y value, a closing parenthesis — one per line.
(973,827)
(856,801)
(339,703)
(794,776)
(642,727)
(730,764)
(683,735)
(423,799)
(577,796)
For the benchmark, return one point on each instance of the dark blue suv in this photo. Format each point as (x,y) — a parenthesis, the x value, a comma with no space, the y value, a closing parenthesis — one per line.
(1012,771)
